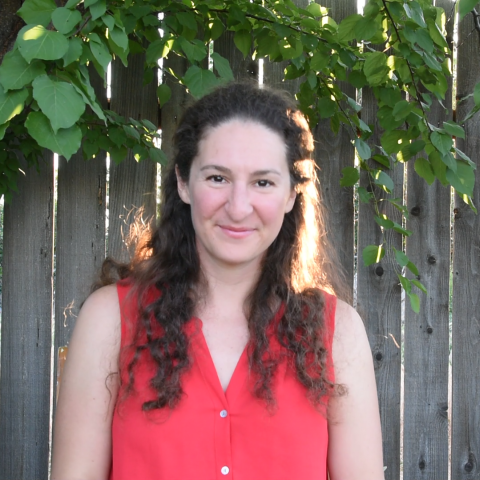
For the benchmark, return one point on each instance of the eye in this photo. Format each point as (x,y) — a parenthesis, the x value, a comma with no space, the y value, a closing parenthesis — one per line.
(264,183)
(216,179)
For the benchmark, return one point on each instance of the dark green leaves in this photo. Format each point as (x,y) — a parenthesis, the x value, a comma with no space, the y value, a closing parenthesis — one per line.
(11,104)
(465,7)
(199,81)
(372,254)
(15,72)
(37,12)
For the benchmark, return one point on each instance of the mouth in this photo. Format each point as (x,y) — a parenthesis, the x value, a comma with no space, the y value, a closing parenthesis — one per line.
(236,232)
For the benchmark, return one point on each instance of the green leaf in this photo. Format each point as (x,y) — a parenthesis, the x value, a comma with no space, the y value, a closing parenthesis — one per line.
(319,61)
(376,68)
(118,155)
(38,42)
(443,143)
(199,81)
(326,107)
(476,94)
(350,177)
(346,29)
(413,268)
(424,170)
(401,258)
(99,51)
(164,93)
(15,72)
(454,129)
(414,12)
(399,229)
(436,34)
(357,79)
(463,180)
(98,9)
(65,142)
(11,104)
(465,7)
(158,156)
(384,180)
(59,101)
(402,109)
(195,51)
(405,282)
(64,19)
(365,28)
(158,49)
(74,52)
(37,12)
(187,19)
(384,221)
(393,141)
(3,129)
(419,285)
(363,149)
(243,41)
(364,195)
(222,66)
(414,302)
(425,40)
(372,254)
(119,37)
(316,10)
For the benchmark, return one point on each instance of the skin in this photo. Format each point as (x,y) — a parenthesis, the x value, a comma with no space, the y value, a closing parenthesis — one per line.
(239,190)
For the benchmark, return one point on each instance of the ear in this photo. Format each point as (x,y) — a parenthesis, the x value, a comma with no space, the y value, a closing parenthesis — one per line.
(183,190)
(291,201)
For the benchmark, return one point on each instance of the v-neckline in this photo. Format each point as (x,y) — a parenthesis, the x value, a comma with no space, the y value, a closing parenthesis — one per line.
(211,364)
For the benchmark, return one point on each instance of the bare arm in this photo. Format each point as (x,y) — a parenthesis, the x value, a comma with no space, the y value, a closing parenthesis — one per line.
(82,430)
(355,439)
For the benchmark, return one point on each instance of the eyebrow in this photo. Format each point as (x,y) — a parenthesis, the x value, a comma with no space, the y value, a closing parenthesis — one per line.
(227,170)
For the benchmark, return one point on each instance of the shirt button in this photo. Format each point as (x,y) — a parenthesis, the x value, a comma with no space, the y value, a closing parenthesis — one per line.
(225,470)
(223,414)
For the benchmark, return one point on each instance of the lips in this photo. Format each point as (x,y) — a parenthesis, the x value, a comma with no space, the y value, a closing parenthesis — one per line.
(236,232)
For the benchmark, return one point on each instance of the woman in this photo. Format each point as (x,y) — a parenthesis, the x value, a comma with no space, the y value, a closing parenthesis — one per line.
(233,360)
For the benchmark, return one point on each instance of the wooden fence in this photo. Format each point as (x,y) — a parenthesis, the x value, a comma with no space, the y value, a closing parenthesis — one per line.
(429,431)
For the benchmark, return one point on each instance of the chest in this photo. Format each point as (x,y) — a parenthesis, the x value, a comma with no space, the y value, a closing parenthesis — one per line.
(225,343)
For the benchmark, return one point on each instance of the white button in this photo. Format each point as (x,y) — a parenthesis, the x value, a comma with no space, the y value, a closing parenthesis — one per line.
(225,470)
(223,414)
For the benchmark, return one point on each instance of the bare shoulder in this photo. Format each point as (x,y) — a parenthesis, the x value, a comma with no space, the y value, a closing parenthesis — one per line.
(99,318)
(350,338)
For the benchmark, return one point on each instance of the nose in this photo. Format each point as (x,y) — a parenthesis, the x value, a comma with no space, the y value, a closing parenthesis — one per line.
(239,204)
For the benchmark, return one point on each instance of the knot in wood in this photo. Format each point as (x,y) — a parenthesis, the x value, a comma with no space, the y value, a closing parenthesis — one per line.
(379,271)
(468,467)
(422,464)
(378,356)
(415,211)
(429,330)
(431,260)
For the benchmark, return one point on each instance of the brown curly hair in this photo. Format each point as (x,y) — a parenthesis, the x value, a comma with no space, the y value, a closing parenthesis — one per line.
(298,265)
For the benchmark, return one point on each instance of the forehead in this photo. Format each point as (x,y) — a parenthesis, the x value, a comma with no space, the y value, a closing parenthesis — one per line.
(244,143)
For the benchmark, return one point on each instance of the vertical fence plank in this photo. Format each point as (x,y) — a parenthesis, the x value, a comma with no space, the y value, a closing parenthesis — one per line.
(132,184)
(466,279)
(80,237)
(379,302)
(26,328)
(332,153)
(425,444)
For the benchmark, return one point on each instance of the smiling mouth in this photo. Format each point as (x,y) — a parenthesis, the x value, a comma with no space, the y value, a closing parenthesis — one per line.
(236,232)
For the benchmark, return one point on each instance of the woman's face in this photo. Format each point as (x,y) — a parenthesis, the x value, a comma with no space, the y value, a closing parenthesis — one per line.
(239,190)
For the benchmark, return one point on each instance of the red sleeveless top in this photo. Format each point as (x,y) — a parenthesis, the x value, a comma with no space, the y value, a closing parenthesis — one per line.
(217,435)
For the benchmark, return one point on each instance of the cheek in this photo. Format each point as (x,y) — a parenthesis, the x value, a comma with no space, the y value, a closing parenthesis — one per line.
(273,212)
(205,204)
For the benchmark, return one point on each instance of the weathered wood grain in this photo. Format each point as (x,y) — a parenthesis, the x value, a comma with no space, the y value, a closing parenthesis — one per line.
(132,184)
(80,232)
(379,303)
(426,351)
(27,327)
(466,279)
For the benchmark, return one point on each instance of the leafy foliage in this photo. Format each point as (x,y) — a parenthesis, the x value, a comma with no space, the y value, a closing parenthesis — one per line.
(397,48)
